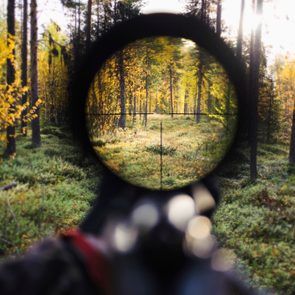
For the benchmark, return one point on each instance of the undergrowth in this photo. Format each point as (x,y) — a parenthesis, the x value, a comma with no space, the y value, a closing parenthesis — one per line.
(55,186)
(256,220)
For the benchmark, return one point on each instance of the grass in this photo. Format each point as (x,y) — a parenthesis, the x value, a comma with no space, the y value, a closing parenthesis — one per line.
(257,220)
(189,150)
(55,186)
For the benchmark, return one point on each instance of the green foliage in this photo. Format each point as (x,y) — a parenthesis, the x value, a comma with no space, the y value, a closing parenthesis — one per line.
(257,220)
(55,186)
(164,150)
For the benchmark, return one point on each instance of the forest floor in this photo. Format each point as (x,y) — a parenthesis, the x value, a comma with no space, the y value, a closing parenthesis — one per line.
(188,150)
(257,220)
(55,186)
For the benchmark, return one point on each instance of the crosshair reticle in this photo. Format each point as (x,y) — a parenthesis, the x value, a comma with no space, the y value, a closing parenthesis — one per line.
(161,113)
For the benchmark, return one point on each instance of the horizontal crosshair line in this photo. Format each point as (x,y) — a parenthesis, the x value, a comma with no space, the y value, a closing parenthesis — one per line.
(184,114)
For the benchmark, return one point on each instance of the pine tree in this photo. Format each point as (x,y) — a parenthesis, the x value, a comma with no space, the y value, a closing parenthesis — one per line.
(24,65)
(36,137)
(240,33)
(254,93)
(11,144)
(88,24)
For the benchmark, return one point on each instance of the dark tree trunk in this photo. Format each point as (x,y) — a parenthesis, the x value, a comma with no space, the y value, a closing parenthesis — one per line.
(98,18)
(10,77)
(122,119)
(254,93)
(171,90)
(79,22)
(269,118)
(203,12)
(134,111)
(200,82)
(292,142)
(218,18)
(146,100)
(250,82)
(24,65)
(209,98)
(157,103)
(51,89)
(77,36)
(185,108)
(130,104)
(36,138)
(241,31)
(88,24)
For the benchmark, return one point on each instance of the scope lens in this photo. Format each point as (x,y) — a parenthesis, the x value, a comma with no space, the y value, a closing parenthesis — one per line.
(161,113)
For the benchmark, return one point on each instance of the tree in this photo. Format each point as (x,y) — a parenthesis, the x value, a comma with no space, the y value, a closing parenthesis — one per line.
(11,144)
(254,92)
(218,17)
(285,77)
(200,82)
(10,93)
(24,65)
(292,141)
(121,72)
(53,67)
(88,24)
(201,10)
(240,33)
(35,102)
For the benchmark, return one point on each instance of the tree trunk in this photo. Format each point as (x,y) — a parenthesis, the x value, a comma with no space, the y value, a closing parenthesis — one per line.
(203,12)
(134,111)
(146,100)
(51,88)
(200,82)
(97,18)
(254,93)
(241,31)
(10,77)
(130,103)
(249,82)
(171,90)
(122,119)
(88,24)
(218,18)
(157,104)
(24,65)
(209,98)
(292,142)
(185,107)
(36,138)
(269,118)
(79,22)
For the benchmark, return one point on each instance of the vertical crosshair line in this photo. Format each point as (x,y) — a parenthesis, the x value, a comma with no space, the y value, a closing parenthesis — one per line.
(161,156)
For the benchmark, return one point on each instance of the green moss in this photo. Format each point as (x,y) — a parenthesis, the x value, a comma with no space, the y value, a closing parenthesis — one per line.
(55,186)
(257,220)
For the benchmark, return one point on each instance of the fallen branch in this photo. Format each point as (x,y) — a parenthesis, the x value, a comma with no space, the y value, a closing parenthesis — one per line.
(8,186)
(6,241)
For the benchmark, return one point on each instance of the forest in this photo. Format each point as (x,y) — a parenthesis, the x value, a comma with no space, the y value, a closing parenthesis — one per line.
(151,120)
(153,89)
